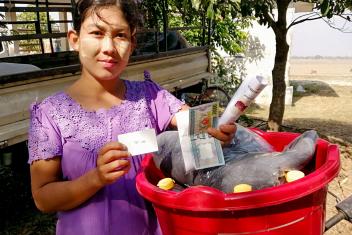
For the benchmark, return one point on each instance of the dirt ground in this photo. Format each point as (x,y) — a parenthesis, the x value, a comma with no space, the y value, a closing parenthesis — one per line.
(324,104)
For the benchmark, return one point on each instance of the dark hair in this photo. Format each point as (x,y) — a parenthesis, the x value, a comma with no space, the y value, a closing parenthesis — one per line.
(84,7)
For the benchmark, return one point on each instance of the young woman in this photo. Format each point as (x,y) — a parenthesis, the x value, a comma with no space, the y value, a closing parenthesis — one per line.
(77,167)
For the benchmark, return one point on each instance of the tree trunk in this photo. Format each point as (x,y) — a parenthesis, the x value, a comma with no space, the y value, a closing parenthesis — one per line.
(277,106)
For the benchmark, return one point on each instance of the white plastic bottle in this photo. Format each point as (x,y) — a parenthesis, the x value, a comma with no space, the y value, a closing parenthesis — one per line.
(243,97)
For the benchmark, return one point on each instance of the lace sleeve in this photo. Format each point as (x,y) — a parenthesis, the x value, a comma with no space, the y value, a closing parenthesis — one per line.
(44,140)
(163,104)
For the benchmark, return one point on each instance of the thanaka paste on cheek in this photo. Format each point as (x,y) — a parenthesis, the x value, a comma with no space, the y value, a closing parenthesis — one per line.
(89,47)
(124,49)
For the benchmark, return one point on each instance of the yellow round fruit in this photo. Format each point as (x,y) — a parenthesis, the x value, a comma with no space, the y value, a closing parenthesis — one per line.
(166,183)
(241,188)
(294,175)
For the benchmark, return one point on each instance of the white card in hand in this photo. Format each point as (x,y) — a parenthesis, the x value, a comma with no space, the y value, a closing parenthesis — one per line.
(139,142)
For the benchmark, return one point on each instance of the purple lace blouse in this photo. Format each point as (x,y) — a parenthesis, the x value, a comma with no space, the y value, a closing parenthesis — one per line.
(61,127)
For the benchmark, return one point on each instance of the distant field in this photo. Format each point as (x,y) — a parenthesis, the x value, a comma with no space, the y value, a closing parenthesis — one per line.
(320,67)
(325,103)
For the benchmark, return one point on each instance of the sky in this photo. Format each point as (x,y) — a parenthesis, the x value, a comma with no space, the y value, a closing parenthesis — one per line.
(315,37)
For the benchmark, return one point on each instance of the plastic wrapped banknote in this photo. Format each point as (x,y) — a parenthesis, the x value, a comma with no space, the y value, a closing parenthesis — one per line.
(199,149)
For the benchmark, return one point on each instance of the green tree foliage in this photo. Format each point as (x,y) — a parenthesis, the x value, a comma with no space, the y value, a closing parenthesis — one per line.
(227,32)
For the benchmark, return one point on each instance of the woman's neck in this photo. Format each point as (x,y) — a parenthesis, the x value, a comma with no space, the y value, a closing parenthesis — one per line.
(94,94)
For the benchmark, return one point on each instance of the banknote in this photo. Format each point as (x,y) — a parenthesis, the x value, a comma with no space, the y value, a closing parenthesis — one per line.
(206,150)
(202,117)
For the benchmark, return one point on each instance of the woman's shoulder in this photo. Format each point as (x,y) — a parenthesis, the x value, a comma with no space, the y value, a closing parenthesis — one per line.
(141,83)
(146,82)
(145,88)
(53,102)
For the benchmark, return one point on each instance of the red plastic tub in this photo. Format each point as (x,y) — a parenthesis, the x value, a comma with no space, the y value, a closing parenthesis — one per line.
(296,208)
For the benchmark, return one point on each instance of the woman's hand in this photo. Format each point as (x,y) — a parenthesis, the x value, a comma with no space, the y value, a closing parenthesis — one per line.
(225,133)
(112,162)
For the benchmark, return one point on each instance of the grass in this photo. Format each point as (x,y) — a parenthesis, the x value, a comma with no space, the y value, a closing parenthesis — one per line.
(31,223)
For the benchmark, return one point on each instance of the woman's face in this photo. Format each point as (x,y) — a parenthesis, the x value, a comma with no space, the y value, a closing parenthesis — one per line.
(104,44)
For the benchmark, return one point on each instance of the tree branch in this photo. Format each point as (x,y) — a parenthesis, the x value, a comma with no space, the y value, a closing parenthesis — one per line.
(337,28)
(268,14)
(347,17)
(270,19)
(306,19)
(305,15)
